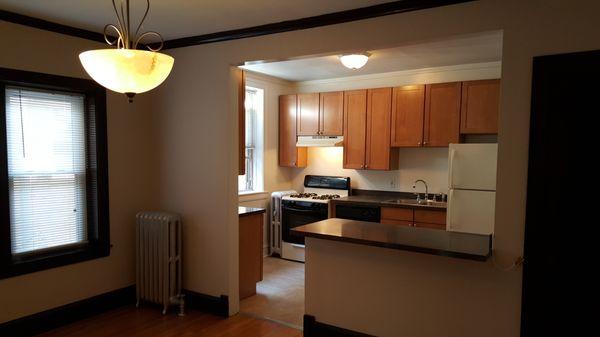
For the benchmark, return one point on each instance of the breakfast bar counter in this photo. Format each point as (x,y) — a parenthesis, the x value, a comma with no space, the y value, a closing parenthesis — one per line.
(423,240)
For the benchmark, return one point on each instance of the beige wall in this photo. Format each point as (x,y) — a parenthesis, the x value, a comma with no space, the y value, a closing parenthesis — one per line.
(198,140)
(131,158)
(430,164)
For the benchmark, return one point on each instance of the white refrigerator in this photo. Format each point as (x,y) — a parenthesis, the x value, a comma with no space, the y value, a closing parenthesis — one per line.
(472,188)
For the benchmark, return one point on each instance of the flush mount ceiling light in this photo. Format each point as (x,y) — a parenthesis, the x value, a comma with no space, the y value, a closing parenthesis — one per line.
(355,61)
(125,69)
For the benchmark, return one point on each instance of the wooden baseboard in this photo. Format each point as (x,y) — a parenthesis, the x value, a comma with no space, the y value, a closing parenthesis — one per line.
(312,328)
(56,317)
(211,304)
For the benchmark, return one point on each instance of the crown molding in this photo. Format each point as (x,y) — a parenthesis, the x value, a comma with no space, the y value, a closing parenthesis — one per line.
(389,8)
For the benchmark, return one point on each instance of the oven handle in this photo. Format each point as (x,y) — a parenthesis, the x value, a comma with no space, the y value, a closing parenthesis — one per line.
(299,209)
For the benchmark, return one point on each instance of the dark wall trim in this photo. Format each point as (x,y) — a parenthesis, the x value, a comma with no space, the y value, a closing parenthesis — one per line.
(50,26)
(312,328)
(206,303)
(389,8)
(57,317)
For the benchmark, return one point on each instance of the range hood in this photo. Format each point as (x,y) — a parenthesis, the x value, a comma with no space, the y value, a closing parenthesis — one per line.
(312,141)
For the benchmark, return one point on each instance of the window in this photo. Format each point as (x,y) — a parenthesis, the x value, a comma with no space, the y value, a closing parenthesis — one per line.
(252,180)
(53,175)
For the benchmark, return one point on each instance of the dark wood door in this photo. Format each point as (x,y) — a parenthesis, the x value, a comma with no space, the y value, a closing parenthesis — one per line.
(442,114)
(560,260)
(480,107)
(408,108)
(379,115)
(289,154)
(308,114)
(355,130)
(331,113)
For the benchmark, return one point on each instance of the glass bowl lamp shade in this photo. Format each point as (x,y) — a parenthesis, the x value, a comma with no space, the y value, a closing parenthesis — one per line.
(354,61)
(127,71)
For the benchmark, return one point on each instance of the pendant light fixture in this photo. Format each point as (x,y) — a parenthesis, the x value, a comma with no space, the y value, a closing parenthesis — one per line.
(355,61)
(125,69)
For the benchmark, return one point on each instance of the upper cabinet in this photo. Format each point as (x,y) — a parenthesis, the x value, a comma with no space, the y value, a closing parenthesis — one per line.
(355,131)
(379,115)
(331,113)
(408,109)
(289,154)
(480,107)
(442,114)
(367,116)
(308,114)
(321,114)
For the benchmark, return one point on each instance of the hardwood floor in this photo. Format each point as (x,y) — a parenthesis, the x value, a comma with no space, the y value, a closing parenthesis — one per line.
(131,322)
(280,295)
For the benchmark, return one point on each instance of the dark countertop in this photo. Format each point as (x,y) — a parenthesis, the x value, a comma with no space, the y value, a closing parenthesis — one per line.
(387,201)
(245,211)
(416,239)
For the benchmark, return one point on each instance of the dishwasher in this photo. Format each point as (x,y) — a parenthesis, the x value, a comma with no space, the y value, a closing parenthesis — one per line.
(360,213)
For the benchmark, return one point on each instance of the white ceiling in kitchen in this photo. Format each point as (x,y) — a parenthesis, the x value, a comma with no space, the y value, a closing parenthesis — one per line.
(181,18)
(475,48)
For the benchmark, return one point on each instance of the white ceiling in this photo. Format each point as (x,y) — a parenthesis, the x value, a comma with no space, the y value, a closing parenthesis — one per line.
(181,18)
(476,48)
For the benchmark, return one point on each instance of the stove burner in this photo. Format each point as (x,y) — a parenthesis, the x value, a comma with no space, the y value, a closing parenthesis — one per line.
(326,196)
(303,195)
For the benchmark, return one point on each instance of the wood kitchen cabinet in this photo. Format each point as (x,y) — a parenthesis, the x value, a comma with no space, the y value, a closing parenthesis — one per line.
(424,218)
(331,113)
(289,154)
(250,251)
(442,114)
(307,114)
(408,110)
(355,131)
(480,107)
(367,118)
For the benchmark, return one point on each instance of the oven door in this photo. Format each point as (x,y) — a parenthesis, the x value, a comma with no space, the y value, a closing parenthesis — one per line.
(295,214)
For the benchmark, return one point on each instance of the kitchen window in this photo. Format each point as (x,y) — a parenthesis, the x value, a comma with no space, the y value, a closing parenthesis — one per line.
(252,180)
(53,175)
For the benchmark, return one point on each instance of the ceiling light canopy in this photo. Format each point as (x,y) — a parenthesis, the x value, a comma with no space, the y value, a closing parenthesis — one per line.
(355,61)
(125,69)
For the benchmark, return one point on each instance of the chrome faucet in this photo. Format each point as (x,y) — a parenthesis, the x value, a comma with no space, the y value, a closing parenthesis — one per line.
(426,190)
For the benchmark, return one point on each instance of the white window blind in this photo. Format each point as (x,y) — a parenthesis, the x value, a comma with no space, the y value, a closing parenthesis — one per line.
(46,168)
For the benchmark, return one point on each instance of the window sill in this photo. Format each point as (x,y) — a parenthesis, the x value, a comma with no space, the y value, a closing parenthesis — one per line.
(252,196)
(53,259)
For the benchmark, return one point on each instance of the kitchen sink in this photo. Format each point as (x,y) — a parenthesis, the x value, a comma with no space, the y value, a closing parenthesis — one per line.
(414,202)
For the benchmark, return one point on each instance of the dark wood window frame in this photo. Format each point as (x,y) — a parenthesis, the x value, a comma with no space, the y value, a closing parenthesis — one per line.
(98,242)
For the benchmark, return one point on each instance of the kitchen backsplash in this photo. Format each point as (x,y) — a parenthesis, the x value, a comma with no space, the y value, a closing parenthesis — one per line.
(429,164)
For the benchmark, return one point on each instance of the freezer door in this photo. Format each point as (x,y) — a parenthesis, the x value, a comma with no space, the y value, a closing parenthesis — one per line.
(471,211)
(472,166)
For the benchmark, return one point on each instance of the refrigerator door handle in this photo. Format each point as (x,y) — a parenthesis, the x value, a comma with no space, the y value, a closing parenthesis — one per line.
(449,210)
(450,169)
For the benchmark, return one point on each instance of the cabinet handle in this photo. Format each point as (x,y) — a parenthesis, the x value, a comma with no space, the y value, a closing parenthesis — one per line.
(424,143)
(293,163)
(419,143)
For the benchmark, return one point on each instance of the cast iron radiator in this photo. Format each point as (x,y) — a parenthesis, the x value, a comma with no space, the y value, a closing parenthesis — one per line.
(158,259)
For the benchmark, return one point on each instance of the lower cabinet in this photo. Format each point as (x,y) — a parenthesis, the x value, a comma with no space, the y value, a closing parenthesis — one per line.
(250,253)
(424,218)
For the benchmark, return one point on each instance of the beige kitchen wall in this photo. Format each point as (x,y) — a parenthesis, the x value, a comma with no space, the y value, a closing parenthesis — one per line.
(429,164)
(132,173)
(198,138)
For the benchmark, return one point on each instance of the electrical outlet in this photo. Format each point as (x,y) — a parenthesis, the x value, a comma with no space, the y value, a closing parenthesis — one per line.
(393,183)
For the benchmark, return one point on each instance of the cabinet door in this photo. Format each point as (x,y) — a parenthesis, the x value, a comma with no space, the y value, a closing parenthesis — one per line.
(442,114)
(308,114)
(480,107)
(408,108)
(289,154)
(379,114)
(355,131)
(331,113)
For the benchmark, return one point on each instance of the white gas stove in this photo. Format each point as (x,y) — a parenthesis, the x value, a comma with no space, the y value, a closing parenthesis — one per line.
(309,206)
